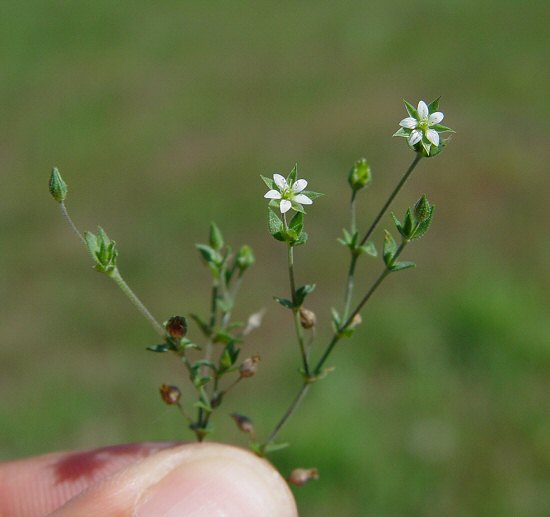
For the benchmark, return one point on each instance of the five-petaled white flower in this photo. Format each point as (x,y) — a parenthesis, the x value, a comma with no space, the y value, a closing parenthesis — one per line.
(422,126)
(288,193)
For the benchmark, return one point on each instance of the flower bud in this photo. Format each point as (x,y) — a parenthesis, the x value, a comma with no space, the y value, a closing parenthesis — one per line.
(245,258)
(307,318)
(170,394)
(58,188)
(359,175)
(422,209)
(300,477)
(243,423)
(176,327)
(249,366)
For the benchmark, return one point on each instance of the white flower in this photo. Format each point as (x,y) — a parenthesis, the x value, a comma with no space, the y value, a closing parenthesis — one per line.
(422,126)
(288,193)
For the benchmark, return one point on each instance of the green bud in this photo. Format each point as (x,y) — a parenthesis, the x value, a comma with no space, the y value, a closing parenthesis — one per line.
(245,258)
(422,209)
(359,175)
(216,238)
(58,188)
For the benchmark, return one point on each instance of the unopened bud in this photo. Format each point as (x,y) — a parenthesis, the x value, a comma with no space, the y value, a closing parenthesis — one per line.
(249,366)
(245,258)
(359,175)
(307,318)
(176,327)
(300,477)
(422,209)
(58,188)
(170,394)
(243,423)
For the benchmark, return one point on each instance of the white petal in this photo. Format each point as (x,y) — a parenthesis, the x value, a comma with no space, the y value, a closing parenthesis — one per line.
(422,110)
(435,118)
(409,123)
(433,136)
(280,181)
(299,185)
(285,205)
(303,199)
(273,194)
(415,137)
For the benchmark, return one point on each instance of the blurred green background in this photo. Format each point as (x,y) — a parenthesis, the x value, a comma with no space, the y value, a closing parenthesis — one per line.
(161,116)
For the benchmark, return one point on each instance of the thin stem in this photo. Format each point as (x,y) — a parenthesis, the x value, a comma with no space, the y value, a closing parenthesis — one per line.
(295,310)
(288,413)
(402,182)
(353,225)
(70,221)
(349,285)
(115,275)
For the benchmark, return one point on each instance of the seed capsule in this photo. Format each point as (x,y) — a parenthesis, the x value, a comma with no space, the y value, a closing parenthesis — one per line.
(176,327)
(249,366)
(170,394)
(307,318)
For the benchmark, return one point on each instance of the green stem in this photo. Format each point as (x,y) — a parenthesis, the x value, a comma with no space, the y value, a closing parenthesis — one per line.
(115,275)
(288,413)
(67,218)
(396,190)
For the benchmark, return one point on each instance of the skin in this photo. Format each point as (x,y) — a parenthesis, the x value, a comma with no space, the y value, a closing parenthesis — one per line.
(145,479)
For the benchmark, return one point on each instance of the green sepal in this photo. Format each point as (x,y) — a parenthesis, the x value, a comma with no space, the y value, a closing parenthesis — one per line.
(302,292)
(58,188)
(312,194)
(399,266)
(434,105)
(284,302)
(302,239)
(390,247)
(163,347)
(215,237)
(185,344)
(424,226)
(291,178)
(402,132)
(297,207)
(275,225)
(440,128)
(203,326)
(269,182)
(411,110)
(335,320)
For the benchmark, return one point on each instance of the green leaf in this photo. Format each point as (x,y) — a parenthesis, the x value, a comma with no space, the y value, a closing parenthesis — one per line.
(275,225)
(222,336)
(335,320)
(408,225)
(210,255)
(399,266)
(397,223)
(272,447)
(284,302)
(302,292)
(390,247)
(302,239)
(411,110)
(269,182)
(203,326)
(216,238)
(229,357)
(225,304)
(163,347)
(293,175)
(369,248)
(204,362)
(297,223)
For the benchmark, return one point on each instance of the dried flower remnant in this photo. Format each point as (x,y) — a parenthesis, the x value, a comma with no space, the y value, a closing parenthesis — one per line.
(170,394)
(307,318)
(243,423)
(249,366)
(299,477)
(176,327)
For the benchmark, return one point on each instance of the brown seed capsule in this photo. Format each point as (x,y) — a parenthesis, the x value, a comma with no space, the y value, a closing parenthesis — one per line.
(170,394)
(307,318)
(243,423)
(249,366)
(300,477)
(176,327)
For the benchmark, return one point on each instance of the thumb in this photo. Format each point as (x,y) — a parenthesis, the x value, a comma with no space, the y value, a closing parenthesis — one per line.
(189,480)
